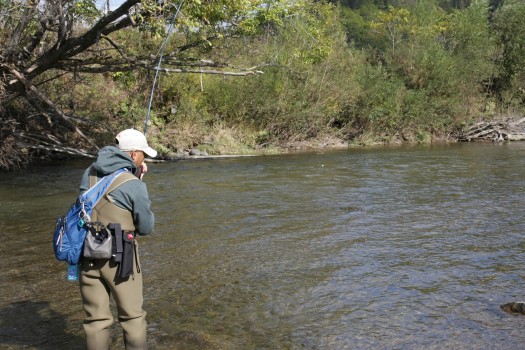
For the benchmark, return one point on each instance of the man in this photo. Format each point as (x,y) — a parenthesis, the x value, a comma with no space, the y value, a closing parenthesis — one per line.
(129,206)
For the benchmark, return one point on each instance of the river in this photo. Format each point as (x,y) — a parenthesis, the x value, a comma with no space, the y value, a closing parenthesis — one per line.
(411,247)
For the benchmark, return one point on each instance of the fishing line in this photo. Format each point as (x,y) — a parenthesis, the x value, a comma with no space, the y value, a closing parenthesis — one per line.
(158,66)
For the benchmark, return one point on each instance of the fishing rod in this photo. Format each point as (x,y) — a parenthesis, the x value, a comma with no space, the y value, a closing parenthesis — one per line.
(158,66)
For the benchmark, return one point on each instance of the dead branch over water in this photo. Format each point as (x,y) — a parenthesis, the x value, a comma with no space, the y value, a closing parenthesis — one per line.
(494,131)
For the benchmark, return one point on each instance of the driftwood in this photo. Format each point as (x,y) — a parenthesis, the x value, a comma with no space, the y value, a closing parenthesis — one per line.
(49,143)
(495,131)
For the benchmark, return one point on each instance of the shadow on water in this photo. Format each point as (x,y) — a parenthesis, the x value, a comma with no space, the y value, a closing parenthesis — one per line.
(31,324)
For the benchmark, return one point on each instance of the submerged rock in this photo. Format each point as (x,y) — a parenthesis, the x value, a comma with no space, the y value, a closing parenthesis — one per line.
(514,307)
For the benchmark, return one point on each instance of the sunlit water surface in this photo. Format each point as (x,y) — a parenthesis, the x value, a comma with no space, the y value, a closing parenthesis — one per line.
(383,248)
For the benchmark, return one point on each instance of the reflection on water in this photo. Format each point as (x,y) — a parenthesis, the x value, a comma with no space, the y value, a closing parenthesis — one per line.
(410,247)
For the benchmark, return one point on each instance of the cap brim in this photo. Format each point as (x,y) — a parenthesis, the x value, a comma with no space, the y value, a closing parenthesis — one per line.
(150,152)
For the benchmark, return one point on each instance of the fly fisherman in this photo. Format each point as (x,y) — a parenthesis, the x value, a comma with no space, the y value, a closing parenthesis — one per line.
(127,205)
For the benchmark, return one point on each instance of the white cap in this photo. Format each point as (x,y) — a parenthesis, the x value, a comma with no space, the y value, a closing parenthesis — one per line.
(134,140)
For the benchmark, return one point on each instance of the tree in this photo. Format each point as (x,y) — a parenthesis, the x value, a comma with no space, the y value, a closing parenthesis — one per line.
(509,84)
(44,40)
(395,22)
(46,37)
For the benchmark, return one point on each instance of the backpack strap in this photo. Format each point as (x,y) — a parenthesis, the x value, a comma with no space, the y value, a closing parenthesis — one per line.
(121,179)
(116,182)
(93,178)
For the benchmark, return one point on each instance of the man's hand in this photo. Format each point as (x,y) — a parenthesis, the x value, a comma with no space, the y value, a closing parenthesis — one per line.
(143,169)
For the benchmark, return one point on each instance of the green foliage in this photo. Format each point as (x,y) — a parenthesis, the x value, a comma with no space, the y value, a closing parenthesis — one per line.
(357,24)
(393,23)
(510,36)
(442,59)
(381,70)
(299,92)
(85,10)
(428,78)
(127,79)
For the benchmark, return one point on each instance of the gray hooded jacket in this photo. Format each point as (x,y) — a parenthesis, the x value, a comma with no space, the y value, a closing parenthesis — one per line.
(131,195)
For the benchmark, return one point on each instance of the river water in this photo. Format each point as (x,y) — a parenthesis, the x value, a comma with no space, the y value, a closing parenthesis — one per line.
(376,248)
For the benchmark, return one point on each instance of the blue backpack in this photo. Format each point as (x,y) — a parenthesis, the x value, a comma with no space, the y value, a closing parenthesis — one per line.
(70,230)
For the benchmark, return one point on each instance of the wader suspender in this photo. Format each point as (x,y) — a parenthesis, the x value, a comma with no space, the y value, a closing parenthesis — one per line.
(121,179)
(93,179)
(126,221)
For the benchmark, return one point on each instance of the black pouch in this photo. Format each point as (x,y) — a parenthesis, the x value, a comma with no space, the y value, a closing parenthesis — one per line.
(116,230)
(123,250)
(128,251)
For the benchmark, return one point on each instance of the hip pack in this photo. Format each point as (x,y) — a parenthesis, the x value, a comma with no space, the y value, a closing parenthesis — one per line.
(105,242)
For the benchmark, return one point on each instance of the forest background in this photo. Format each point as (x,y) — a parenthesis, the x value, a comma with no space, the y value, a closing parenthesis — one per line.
(245,77)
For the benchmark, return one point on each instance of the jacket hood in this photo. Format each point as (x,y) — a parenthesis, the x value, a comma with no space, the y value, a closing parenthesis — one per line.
(110,159)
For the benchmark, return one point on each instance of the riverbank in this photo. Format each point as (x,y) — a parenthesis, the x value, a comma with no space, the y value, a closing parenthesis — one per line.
(236,144)
(228,142)
(239,149)
(224,142)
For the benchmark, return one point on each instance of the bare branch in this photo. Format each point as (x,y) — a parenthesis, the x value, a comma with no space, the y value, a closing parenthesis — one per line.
(113,21)
(37,37)
(48,102)
(49,143)
(14,42)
